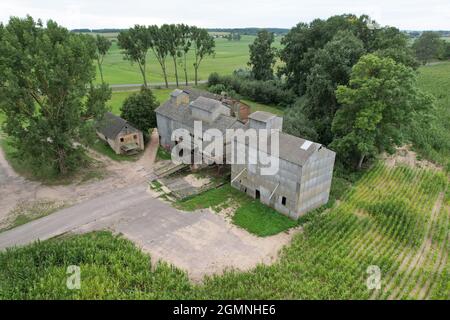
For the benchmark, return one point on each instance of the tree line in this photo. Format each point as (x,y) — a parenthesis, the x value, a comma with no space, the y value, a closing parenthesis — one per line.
(166,42)
(345,81)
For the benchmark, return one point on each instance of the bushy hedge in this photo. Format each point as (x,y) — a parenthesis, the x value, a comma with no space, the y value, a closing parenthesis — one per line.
(267,92)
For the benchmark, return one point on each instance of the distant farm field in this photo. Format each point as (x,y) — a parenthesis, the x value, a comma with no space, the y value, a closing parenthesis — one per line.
(229,56)
(433,138)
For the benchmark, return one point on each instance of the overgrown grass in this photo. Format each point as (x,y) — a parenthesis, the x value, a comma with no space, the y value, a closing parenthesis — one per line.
(260,219)
(255,106)
(250,214)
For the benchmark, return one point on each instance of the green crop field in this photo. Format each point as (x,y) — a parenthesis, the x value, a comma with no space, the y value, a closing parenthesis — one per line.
(229,56)
(394,219)
(433,137)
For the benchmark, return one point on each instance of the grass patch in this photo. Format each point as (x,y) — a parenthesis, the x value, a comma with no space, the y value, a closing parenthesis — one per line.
(255,106)
(250,215)
(32,210)
(261,220)
(163,154)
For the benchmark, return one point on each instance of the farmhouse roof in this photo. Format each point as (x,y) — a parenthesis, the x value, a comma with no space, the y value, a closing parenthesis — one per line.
(206,104)
(111,126)
(293,149)
(203,100)
(177,92)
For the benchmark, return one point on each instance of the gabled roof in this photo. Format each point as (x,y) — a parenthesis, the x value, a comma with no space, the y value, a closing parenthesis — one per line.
(177,92)
(183,114)
(206,104)
(291,148)
(111,125)
(262,116)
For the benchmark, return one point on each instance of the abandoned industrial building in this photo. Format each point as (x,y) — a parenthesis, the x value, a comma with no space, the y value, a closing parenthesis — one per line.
(121,136)
(303,179)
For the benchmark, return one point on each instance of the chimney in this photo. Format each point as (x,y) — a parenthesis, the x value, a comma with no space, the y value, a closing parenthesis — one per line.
(179,97)
(265,120)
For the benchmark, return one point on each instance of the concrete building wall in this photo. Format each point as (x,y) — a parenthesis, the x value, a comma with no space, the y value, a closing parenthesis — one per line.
(285,185)
(164,130)
(300,188)
(316,180)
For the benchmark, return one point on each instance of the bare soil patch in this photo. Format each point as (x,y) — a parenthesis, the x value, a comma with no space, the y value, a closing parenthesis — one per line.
(405,156)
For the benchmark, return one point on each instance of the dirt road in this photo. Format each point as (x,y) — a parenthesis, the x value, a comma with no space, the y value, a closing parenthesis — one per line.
(199,242)
(15,189)
(202,243)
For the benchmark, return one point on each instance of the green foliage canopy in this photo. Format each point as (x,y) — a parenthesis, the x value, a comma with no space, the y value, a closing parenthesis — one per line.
(45,74)
(262,56)
(139,109)
(378,103)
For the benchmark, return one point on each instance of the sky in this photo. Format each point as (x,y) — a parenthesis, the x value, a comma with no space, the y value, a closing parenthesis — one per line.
(96,14)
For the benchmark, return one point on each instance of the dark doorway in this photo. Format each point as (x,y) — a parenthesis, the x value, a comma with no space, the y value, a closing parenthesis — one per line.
(283,201)
(257,196)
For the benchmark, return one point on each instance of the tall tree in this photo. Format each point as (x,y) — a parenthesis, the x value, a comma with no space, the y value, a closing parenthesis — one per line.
(174,46)
(262,55)
(160,38)
(427,46)
(377,105)
(103,45)
(135,44)
(203,45)
(332,67)
(185,46)
(45,73)
(139,109)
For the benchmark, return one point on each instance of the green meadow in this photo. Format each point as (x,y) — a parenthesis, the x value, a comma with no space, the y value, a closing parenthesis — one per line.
(229,56)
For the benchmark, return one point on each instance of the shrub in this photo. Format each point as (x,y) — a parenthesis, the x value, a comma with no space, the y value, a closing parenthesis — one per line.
(139,109)
(267,92)
(213,79)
